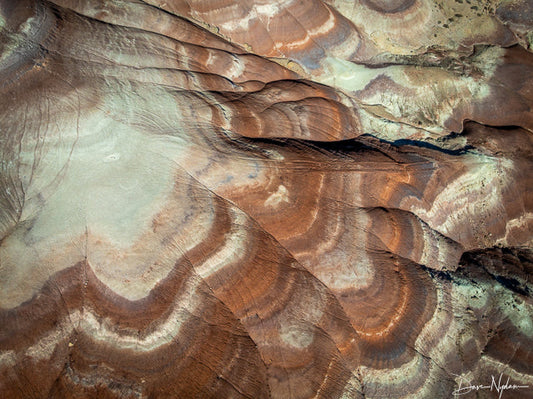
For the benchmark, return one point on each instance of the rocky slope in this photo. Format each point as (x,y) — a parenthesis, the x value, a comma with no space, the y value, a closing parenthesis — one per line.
(246,198)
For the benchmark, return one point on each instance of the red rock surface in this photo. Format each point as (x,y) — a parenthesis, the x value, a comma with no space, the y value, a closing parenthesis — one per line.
(222,199)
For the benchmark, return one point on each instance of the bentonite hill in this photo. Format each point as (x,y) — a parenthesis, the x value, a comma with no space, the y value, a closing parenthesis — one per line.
(266,199)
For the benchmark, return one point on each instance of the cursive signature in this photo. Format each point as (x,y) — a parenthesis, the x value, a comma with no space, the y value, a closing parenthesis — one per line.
(494,385)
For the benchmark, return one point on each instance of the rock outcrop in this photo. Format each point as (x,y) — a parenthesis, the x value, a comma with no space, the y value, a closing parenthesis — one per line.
(239,198)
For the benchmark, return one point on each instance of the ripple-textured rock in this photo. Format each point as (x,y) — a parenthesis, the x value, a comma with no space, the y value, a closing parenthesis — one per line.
(265,199)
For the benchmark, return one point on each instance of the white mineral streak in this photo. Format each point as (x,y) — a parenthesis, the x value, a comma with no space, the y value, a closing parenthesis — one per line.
(275,199)
(184,305)
(236,69)
(232,250)
(44,348)
(396,378)
(325,27)
(101,329)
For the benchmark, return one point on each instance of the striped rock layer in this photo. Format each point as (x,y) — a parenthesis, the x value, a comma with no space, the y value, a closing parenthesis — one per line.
(258,199)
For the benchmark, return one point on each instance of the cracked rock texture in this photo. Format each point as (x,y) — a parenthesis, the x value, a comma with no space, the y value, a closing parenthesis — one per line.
(266,199)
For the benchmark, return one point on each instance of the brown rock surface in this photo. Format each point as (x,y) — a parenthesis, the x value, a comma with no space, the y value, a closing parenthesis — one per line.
(222,199)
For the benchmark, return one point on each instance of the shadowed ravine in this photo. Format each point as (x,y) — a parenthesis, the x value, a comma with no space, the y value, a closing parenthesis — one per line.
(266,199)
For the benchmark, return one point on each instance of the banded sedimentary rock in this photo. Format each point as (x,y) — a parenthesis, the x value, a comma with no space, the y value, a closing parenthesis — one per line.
(257,199)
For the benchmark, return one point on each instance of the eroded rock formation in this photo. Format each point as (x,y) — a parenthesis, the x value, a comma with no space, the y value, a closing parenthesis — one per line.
(265,199)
